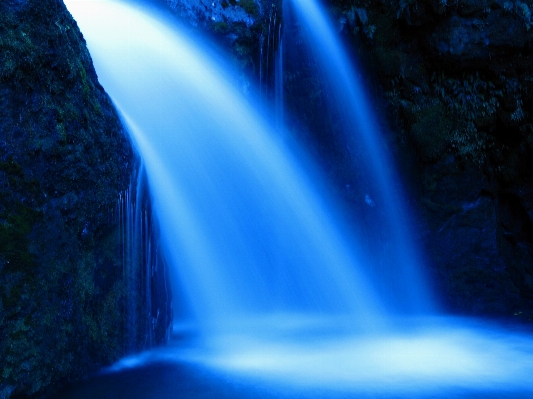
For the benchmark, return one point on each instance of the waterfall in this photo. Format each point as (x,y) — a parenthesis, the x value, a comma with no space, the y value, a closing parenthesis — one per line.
(246,230)
(278,290)
(377,190)
(270,64)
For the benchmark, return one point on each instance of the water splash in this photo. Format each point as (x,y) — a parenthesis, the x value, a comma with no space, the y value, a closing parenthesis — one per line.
(316,358)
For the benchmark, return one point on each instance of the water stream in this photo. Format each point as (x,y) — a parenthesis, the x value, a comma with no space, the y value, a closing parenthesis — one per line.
(279,298)
(376,185)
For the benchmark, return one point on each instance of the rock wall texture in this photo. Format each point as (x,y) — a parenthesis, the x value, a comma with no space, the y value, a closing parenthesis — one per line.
(248,30)
(65,162)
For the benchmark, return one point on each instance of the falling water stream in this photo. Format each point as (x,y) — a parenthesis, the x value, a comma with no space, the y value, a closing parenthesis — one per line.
(377,185)
(279,297)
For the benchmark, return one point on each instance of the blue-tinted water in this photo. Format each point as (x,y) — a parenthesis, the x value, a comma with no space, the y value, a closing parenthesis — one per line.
(279,298)
(428,358)
(378,187)
(244,225)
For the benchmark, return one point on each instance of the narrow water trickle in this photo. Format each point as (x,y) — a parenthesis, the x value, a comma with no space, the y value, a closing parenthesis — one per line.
(278,86)
(280,299)
(148,303)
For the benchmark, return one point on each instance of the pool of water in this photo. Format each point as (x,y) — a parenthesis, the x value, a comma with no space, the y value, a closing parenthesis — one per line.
(447,358)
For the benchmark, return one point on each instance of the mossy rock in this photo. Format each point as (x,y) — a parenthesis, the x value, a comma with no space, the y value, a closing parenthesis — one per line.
(431,132)
(390,61)
(64,160)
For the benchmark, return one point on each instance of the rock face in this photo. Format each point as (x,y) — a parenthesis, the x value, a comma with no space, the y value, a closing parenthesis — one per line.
(203,12)
(249,30)
(457,85)
(65,163)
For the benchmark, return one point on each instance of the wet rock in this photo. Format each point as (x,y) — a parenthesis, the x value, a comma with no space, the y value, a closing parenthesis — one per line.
(248,30)
(464,242)
(198,12)
(479,38)
(65,159)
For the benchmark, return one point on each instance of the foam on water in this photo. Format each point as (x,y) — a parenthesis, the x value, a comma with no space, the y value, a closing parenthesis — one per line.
(297,356)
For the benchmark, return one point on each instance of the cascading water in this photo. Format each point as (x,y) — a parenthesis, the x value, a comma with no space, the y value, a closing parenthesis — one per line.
(278,292)
(378,188)
(247,232)
(144,272)
(270,64)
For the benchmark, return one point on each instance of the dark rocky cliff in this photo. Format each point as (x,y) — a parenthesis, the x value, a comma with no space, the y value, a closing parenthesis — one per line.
(65,163)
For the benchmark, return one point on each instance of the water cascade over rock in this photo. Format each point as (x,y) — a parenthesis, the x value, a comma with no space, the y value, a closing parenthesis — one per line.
(65,159)
(148,299)
(376,187)
(247,232)
(279,294)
